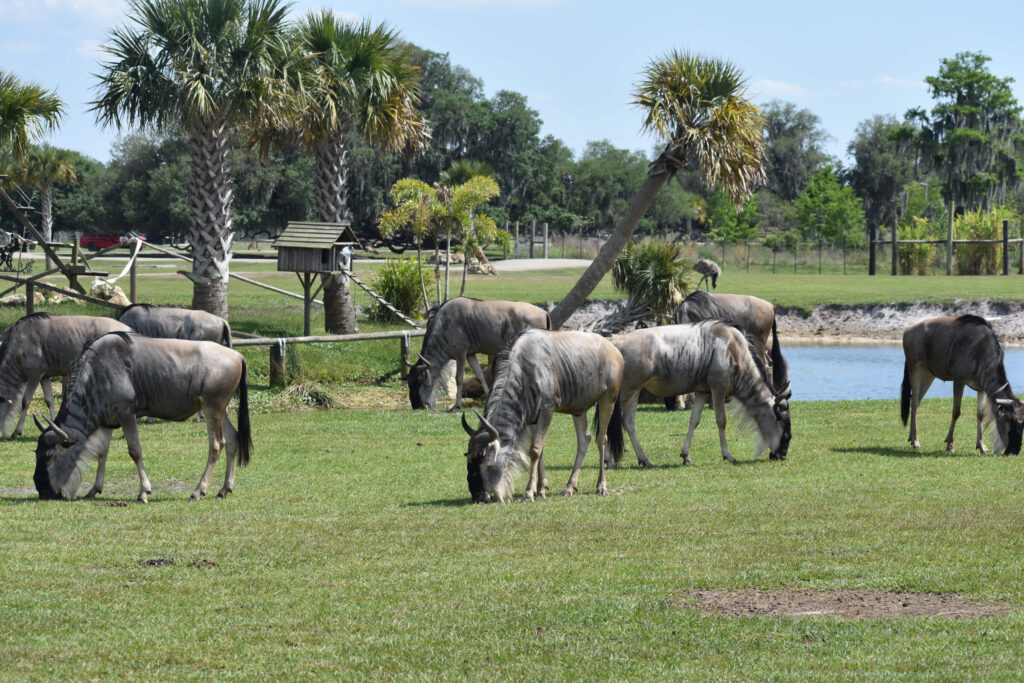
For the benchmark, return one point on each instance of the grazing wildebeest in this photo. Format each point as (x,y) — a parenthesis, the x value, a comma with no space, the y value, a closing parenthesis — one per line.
(37,347)
(709,270)
(122,376)
(709,358)
(966,351)
(545,372)
(176,323)
(754,316)
(458,330)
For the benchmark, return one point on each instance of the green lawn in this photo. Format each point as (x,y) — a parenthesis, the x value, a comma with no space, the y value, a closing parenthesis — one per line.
(349,550)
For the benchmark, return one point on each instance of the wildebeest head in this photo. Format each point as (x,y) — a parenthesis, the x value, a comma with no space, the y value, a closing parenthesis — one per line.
(1010,423)
(421,385)
(781,410)
(485,473)
(53,442)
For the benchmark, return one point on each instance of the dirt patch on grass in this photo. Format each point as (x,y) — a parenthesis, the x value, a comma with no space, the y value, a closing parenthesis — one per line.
(846,604)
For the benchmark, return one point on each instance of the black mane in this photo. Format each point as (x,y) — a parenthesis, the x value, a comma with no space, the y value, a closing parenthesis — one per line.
(41,315)
(969,319)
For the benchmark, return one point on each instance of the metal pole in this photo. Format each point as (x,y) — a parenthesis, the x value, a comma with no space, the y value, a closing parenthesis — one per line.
(506,230)
(545,240)
(515,247)
(533,234)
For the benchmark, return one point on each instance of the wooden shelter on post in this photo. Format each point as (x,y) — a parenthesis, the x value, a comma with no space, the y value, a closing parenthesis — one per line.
(312,249)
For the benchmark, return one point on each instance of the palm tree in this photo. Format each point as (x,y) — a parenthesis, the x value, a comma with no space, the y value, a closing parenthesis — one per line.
(44,167)
(364,83)
(206,66)
(26,113)
(698,105)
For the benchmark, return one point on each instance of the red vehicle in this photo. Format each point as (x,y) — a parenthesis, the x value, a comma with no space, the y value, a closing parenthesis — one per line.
(94,242)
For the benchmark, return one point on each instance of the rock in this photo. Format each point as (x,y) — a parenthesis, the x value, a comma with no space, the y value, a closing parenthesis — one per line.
(19,299)
(101,289)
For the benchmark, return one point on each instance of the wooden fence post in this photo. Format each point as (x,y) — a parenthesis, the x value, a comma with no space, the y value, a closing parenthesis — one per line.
(894,250)
(533,234)
(1006,247)
(872,250)
(545,240)
(515,247)
(133,281)
(30,297)
(403,349)
(949,242)
(278,374)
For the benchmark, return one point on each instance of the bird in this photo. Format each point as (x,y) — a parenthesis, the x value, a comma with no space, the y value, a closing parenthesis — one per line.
(709,269)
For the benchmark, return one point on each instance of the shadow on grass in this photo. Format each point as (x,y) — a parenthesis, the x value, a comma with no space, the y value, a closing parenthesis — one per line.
(448,503)
(901,452)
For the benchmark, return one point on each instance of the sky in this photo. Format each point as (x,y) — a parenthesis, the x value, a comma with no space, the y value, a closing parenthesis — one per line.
(577,60)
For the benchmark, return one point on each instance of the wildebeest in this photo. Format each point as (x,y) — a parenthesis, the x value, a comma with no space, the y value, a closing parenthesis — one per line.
(966,351)
(545,372)
(37,347)
(458,330)
(709,358)
(709,270)
(122,376)
(754,316)
(176,323)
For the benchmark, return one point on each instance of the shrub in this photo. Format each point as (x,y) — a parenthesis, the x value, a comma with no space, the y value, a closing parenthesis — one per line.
(652,274)
(398,281)
(915,259)
(979,259)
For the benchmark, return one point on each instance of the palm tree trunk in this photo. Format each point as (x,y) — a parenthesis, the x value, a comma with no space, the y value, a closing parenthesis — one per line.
(211,231)
(419,268)
(465,256)
(606,257)
(448,260)
(46,207)
(332,207)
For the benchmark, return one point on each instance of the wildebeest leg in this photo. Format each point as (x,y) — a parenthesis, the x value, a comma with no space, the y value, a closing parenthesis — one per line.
(215,436)
(582,443)
(540,430)
(231,441)
(131,436)
(980,445)
(460,372)
(718,403)
(48,395)
(97,485)
(958,395)
(474,363)
(26,400)
(542,485)
(604,416)
(696,410)
(629,424)
(920,380)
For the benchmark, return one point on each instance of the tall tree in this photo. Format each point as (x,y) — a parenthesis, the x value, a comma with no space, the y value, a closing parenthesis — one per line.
(366,83)
(974,137)
(44,167)
(884,163)
(829,212)
(206,66)
(699,106)
(27,111)
(794,148)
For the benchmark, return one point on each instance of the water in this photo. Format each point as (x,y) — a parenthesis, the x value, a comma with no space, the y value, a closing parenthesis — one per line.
(833,373)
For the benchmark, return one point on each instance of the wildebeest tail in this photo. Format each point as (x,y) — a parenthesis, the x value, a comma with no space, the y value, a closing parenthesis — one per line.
(244,428)
(614,429)
(225,337)
(780,369)
(905,393)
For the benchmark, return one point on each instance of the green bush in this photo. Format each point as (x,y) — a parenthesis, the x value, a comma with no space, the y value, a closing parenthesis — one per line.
(979,259)
(398,281)
(915,259)
(652,274)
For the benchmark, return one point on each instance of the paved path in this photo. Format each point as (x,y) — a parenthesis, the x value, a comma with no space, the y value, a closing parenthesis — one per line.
(518,265)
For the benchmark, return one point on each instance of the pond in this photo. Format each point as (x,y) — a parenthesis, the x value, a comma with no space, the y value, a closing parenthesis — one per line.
(846,372)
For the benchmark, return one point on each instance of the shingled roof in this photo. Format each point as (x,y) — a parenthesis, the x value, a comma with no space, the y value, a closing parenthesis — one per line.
(303,235)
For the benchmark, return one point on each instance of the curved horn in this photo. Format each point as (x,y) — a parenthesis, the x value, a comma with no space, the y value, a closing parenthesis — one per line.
(486,425)
(465,425)
(40,425)
(423,360)
(787,391)
(56,430)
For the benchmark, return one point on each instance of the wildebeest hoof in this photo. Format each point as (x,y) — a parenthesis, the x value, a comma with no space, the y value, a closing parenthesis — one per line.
(142,498)
(602,490)
(14,435)
(92,494)
(949,448)
(568,492)
(528,497)
(646,464)
(223,493)
(729,459)
(981,447)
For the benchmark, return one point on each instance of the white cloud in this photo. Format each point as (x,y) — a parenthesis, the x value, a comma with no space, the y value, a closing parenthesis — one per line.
(771,88)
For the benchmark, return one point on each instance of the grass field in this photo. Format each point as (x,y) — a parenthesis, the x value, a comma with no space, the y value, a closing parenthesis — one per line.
(350,549)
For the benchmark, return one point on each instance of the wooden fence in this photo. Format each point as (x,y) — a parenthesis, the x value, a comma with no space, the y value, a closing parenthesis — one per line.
(894,243)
